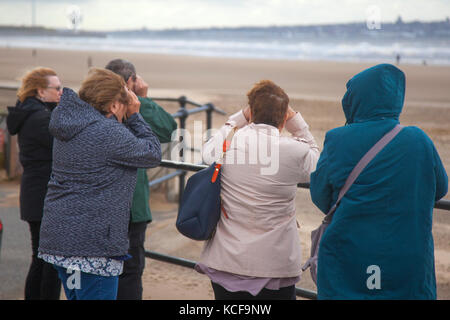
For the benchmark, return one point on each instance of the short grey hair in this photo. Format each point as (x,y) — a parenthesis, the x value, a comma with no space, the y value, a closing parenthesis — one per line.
(123,68)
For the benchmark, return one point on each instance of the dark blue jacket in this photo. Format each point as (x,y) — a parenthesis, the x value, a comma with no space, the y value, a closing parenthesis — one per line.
(385,219)
(95,160)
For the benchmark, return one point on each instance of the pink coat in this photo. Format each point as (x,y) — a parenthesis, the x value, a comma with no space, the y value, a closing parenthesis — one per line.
(259,236)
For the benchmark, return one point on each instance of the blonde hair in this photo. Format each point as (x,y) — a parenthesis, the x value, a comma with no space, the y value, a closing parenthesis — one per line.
(34,80)
(103,87)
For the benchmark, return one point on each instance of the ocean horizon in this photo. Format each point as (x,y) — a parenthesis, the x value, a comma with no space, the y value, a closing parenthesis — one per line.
(415,43)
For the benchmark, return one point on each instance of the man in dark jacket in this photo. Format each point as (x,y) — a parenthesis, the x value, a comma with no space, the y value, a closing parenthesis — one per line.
(162,124)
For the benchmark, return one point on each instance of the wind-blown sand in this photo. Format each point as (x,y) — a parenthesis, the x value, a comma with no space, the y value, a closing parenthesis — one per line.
(315,89)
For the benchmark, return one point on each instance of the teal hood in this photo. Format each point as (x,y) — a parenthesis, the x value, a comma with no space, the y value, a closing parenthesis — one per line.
(375,93)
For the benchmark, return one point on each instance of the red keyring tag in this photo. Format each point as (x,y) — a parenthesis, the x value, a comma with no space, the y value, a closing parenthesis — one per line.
(216,172)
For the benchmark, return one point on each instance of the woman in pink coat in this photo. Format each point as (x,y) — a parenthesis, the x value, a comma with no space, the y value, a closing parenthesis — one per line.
(255,251)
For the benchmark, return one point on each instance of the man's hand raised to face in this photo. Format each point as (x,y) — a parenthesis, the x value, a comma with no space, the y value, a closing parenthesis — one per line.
(138,86)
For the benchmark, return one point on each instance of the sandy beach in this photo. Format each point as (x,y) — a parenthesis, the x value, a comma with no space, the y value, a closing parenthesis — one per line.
(315,89)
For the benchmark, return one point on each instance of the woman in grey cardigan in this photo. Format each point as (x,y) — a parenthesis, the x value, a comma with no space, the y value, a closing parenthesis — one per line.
(95,161)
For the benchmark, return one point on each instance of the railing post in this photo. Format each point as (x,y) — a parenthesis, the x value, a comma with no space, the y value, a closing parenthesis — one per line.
(184,115)
(209,120)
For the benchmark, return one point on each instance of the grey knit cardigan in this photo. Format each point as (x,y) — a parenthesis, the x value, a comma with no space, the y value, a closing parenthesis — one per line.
(95,161)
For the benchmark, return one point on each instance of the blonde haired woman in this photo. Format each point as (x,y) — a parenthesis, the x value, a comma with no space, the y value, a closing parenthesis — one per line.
(37,97)
(100,141)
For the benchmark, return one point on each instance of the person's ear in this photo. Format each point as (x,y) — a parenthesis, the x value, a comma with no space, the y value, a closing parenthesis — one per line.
(41,92)
(130,84)
(115,107)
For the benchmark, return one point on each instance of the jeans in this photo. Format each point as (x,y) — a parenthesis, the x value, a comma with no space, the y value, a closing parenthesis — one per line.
(85,286)
(42,282)
(286,293)
(130,281)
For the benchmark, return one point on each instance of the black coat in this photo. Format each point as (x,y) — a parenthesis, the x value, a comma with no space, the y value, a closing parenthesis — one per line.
(30,120)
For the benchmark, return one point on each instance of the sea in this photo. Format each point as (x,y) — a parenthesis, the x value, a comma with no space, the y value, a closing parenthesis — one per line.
(415,43)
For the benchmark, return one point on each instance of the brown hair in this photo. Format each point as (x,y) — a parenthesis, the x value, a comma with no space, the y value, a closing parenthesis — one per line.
(34,80)
(268,103)
(103,87)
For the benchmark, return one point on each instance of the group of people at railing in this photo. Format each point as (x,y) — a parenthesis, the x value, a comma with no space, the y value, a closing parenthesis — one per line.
(84,190)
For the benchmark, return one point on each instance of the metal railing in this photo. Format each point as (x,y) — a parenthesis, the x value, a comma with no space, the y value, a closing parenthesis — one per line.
(441,204)
(300,292)
(182,114)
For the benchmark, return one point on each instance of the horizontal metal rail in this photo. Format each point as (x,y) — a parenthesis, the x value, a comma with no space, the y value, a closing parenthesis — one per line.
(182,165)
(183,112)
(170,259)
(441,204)
(184,100)
(165,178)
(181,99)
(304,293)
(12,87)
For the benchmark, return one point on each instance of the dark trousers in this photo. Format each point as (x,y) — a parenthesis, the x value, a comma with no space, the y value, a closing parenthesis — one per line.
(286,293)
(130,281)
(42,282)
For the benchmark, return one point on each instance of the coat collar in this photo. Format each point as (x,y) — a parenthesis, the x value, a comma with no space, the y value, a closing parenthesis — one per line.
(265,128)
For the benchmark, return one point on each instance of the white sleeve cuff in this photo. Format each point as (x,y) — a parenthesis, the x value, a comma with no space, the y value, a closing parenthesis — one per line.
(296,124)
(237,119)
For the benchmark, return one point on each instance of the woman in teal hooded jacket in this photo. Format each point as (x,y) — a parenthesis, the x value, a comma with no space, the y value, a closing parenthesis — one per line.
(379,244)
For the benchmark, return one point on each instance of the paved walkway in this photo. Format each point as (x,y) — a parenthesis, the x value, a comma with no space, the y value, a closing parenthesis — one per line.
(15,251)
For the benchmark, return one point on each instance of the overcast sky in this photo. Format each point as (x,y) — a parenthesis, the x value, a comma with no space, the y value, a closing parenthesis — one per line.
(160,14)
